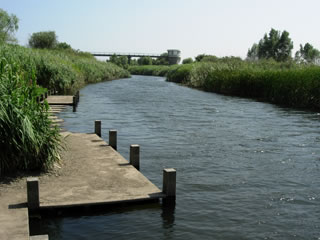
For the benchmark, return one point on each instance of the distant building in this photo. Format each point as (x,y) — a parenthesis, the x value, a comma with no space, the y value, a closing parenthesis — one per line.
(317,61)
(174,56)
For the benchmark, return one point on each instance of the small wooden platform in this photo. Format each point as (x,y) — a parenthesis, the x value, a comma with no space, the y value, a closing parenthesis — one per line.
(60,100)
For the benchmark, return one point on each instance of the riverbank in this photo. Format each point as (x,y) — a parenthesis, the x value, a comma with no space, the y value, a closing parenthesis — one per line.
(61,71)
(285,84)
(150,70)
(26,136)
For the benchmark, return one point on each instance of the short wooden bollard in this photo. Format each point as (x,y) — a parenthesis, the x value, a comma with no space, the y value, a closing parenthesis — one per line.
(78,96)
(46,94)
(33,193)
(74,103)
(97,127)
(113,139)
(135,156)
(169,182)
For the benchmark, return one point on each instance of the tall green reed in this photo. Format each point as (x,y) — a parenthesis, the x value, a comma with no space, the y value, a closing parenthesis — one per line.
(27,140)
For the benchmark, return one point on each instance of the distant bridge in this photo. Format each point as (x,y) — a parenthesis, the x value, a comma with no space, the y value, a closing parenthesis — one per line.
(173,55)
(129,55)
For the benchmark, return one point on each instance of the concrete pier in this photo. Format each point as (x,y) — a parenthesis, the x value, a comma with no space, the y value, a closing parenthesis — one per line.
(94,174)
(14,218)
(60,100)
(91,173)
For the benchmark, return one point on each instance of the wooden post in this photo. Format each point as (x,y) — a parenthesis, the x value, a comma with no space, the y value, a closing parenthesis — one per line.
(135,156)
(46,95)
(97,127)
(169,183)
(33,193)
(74,103)
(78,97)
(113,139)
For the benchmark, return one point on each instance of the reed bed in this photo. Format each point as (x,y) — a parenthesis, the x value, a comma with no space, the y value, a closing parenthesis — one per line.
(27,140)
(149,70)
(287,84)
(63,71)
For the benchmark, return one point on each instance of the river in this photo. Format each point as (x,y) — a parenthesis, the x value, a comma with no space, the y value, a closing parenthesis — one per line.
(245,169)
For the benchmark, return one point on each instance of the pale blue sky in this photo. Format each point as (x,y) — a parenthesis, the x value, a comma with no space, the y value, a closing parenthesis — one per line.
(219,27)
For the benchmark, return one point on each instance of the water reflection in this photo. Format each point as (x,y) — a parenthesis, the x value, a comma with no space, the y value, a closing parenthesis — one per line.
(168,211)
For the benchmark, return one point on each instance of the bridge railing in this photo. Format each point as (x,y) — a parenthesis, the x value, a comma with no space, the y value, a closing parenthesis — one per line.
(126,54)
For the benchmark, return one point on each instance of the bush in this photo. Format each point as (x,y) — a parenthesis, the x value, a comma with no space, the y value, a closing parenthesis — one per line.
(145,61)
(43,40)
(150,70)
(63,45)
(187,61)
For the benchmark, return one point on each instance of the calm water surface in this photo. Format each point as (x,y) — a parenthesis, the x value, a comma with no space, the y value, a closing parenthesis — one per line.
(245,169)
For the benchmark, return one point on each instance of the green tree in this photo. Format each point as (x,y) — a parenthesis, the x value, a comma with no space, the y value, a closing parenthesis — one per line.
(276,45)
(187,61)
(200,57)
(8,25)
(209,58)
(121,61)
(145,61)
(307,53)
(162,60)
(253,52)
(43,40)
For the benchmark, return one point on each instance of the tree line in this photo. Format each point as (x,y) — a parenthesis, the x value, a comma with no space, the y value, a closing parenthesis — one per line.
(278,45)
(125,62)
(274,45)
